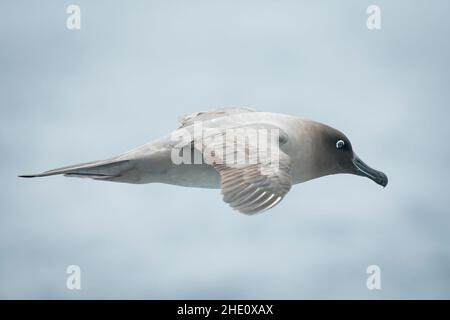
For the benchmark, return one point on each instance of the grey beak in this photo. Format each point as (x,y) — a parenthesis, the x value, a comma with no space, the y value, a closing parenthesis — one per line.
(363,169)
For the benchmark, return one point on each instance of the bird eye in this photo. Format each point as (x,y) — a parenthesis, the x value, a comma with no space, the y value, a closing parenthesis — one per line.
(340,144)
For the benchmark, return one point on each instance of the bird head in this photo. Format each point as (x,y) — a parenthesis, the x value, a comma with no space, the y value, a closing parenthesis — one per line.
(333,153)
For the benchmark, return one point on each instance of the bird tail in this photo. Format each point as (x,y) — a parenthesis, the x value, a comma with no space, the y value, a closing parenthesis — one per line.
(99,170)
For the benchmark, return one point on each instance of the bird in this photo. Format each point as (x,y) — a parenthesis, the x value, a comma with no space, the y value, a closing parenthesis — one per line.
(253,157)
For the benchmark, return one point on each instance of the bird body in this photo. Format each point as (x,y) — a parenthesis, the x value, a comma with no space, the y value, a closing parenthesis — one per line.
(305,150)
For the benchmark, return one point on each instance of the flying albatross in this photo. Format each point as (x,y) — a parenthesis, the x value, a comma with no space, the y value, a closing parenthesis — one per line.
(254,166)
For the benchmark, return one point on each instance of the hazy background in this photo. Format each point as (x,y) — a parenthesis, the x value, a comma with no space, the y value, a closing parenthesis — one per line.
(135,66)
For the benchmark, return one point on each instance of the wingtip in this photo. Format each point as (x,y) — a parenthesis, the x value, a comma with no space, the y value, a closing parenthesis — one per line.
(26,176)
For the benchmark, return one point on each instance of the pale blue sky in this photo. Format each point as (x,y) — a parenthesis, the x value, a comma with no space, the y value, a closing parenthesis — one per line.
(133,68)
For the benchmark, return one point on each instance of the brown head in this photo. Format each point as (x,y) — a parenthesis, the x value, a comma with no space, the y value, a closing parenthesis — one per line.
(333,153)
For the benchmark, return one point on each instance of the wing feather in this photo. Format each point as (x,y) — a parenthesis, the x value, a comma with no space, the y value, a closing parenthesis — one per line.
(250,187)
(189,119)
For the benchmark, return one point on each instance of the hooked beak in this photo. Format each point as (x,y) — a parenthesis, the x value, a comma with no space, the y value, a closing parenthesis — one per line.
(364,170)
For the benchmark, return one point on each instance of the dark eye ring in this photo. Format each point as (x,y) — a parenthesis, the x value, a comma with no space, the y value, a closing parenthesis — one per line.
(340,144)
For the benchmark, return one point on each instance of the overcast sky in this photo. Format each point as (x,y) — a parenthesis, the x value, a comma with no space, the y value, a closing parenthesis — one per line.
(69,96)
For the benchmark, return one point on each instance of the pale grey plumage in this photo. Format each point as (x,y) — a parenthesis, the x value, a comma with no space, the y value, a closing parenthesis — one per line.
(304,154)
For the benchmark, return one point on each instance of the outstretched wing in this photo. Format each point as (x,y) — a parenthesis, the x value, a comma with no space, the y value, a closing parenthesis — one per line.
(255,173)
(98,170)
(187,120)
